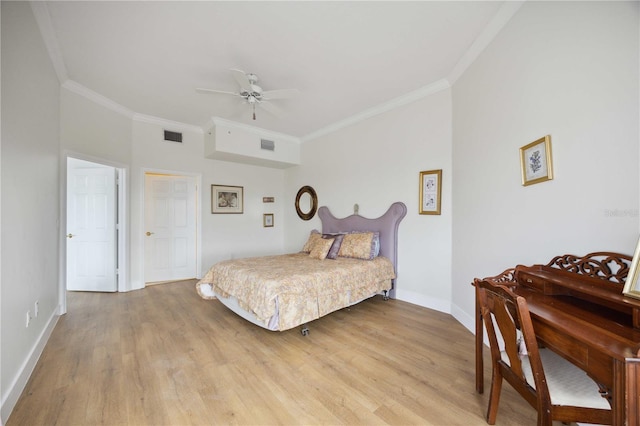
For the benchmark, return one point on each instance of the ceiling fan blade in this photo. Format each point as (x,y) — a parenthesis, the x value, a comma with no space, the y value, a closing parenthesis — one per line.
(271,108)
(280,94)
(202,90)
(242,79)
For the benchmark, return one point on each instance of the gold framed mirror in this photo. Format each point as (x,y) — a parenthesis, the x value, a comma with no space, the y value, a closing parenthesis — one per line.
(306,202)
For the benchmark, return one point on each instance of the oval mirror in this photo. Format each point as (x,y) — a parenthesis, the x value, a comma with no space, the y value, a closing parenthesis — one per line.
(306,203)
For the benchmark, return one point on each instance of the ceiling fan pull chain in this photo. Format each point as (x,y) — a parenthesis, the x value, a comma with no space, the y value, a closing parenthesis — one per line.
(254,111)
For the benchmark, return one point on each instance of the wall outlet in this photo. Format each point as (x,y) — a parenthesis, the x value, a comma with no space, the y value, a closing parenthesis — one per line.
(28,318)
(36,308)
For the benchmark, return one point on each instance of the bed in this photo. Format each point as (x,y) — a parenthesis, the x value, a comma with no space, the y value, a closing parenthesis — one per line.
(352,259)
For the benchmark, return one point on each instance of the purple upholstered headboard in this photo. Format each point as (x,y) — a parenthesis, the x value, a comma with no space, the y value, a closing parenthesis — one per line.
(386,225)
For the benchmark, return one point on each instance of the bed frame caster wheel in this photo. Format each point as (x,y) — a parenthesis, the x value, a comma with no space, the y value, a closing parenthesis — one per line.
(305,331)
(385,295)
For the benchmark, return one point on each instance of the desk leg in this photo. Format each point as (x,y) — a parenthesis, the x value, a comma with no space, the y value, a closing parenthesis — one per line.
(619,399)
(479,343)
(632,377)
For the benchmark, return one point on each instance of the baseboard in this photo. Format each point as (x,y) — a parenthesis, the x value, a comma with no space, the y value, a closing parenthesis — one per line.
(438,305)
(15,390)
(464,318)
(424,301)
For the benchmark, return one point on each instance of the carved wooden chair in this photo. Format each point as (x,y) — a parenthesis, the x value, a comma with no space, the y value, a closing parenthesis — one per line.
(552,385)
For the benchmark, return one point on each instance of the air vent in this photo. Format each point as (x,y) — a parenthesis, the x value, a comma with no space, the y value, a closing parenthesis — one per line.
(172,136)
(267,145)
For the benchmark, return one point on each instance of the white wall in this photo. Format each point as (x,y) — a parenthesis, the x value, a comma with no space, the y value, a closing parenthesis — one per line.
(224,236)
(93,130)
(30,208)
(568,69)
(97,132)
(375,163)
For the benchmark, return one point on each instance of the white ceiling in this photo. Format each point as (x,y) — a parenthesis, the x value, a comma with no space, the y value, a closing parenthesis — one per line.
(344,57)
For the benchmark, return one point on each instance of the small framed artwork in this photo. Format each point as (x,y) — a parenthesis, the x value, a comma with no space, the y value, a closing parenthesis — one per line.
(631,286)
(430,191)
(535,160)
(227,199)
(267,220)
(268,199)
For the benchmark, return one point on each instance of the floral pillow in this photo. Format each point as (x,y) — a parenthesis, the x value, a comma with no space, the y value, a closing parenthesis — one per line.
(313,237)
(321,248)
(358,245)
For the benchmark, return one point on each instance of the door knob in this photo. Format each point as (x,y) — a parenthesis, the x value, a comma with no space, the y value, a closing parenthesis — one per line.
(70,235)
(150,233)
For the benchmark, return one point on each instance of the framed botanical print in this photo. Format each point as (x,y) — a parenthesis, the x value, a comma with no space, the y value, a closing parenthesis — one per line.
(430,191)
(535,160)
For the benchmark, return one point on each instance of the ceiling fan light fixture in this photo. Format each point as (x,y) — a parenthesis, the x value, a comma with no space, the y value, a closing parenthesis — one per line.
(253,94)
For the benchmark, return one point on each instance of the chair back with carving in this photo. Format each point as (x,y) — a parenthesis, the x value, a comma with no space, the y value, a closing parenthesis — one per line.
(518,360)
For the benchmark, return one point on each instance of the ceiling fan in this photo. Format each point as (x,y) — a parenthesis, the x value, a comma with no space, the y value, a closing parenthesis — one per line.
(253,94)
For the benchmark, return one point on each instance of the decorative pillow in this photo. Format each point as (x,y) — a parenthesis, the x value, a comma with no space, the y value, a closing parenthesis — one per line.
(335,247)
(313,237)
(358,245)
(375,248)
(321,248)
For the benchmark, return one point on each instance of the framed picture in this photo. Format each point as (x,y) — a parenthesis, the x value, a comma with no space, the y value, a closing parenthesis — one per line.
(631,286)
(267,220)
(535,160)
(227,199)
(268,199)
(430,191)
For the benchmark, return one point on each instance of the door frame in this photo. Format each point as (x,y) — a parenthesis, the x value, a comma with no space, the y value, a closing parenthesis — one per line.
(122,224)
(197,177)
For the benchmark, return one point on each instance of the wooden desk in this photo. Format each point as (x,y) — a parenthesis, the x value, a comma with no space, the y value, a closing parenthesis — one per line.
(573,316)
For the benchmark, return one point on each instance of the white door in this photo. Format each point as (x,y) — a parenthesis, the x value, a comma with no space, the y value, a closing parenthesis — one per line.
(170,227)
(91,226)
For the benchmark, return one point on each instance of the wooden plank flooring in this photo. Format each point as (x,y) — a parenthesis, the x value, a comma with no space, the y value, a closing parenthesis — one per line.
(164,356)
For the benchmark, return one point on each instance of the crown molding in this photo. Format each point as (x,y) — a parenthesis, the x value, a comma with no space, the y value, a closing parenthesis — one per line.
(501,18)
(43,19)
(387,106)
(97,98)
(134,116)
(217,121)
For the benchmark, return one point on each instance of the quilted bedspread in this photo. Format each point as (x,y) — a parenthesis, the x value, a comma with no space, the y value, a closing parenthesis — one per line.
(295,286)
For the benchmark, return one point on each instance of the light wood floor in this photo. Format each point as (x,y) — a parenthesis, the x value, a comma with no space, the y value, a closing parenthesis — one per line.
(164,356)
